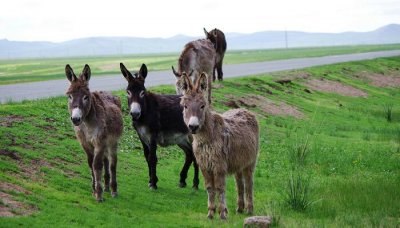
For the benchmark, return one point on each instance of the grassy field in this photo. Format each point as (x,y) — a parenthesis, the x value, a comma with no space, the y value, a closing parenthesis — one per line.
(341,158)
(18,71)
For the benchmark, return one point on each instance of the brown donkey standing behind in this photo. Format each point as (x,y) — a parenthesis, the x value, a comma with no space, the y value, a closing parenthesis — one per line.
(217,37)
(222,144)
(98,125)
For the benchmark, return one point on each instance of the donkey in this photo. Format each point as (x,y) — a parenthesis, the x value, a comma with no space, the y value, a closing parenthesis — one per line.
(222,144)
(158,120)
(217,37)
(97,120)
(197,56)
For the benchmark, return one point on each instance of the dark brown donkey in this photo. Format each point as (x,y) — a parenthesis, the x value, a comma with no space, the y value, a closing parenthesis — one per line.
(217,37)
(98,125)
(158,120)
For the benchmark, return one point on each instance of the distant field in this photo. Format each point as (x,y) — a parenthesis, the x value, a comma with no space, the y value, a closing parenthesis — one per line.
(18,71)
(351,163)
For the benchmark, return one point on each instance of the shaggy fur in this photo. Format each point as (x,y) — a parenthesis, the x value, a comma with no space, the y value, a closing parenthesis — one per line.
(222,144)
(98,127)
(158,120)
(197,56)
(217,37)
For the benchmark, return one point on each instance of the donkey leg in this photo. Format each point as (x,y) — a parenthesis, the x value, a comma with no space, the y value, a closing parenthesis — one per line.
(146,156)
(90,163)
(240,191)
(215,67)
(153,164)
(98,167)
(220,73)
(196,180)
(220,187)
(89,153)
(113,169)
(248,177)
(186,166)
(209,185)
(106,174)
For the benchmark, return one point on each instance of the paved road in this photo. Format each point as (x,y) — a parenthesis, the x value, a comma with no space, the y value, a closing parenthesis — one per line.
(36,90)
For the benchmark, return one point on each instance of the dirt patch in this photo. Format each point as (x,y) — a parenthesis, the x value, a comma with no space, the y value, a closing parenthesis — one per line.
(231,104)
(380,80)
(10,154)
(10,207)
(324,85)
(265,105)
(5,187)
(7,121)
(109,67)
(217,86)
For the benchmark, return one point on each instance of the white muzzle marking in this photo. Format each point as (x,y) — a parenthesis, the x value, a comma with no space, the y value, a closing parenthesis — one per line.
(193,121)
(135,107)
(76,113)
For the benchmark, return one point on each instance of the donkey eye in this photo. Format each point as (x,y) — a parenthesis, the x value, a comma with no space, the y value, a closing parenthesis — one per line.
(128,92)
(141,94)
(70,96)
(185,107)
(85,98)
(202,107)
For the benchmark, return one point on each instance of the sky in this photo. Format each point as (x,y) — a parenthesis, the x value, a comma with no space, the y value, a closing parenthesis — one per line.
(61,20)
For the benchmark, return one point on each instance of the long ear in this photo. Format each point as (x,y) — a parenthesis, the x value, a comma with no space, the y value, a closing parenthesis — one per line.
(143,71)
(185,83)
(205,32)
(125,72)
(176,73)
(202,82)
(86,73)
(70,73)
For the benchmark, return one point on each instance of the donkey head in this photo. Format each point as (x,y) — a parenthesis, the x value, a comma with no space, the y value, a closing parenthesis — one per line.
(212,36)
(194,103)
(136,91)
(79,99)
(178,76)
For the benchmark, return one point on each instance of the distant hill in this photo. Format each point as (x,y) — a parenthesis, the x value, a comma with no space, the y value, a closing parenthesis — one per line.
(94,46)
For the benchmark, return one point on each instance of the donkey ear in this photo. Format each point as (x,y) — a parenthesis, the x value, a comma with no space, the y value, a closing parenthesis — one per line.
(185,83)
(205,32)
(202,82)
(125,72)
(177,75)
(143,71)
(86,73)
(70,73)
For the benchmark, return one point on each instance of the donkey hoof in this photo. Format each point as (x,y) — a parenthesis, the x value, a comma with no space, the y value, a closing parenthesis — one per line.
(223,214)
(153,186)
(107,188)
(195,187)
(239,210)
(182,184)
(99,200)
(210,215)
(114,194)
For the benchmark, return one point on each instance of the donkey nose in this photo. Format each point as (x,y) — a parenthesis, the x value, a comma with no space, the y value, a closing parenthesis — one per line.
(135,115)
(75,119)
(193,127)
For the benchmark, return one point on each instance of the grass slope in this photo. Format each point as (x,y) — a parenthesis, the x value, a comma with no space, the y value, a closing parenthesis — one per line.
(18,71)
(353,162)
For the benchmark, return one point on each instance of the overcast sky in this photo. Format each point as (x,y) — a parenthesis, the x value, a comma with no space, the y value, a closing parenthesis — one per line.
(60,20)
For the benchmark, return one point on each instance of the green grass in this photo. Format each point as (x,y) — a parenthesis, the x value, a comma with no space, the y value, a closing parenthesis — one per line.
(352,162)
(29,70)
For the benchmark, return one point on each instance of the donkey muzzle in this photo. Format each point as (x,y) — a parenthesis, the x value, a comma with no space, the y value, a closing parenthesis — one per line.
(193,128)
(76,120)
